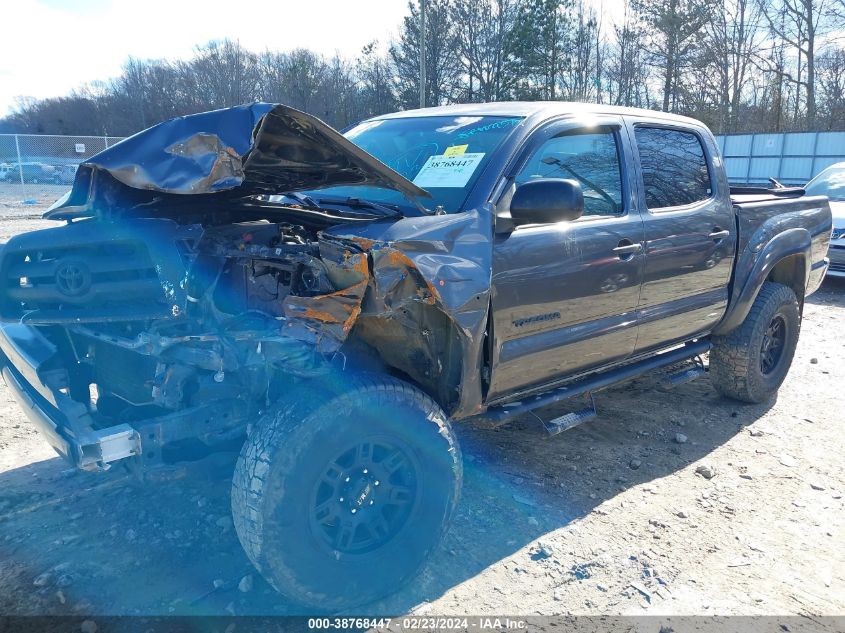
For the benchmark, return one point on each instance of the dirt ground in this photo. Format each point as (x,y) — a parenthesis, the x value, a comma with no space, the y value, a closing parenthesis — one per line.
(609,518)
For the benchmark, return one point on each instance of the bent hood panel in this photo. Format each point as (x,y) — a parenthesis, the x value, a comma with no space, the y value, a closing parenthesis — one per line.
(241,151)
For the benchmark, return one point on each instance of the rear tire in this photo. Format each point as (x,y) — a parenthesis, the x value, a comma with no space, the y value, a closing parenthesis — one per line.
(339,496)
(751,362)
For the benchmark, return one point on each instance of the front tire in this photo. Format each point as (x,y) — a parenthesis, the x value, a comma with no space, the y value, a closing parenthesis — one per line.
(339,496)
(751,362)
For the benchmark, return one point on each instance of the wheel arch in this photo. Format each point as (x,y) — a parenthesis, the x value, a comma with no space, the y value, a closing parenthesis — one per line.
(423,344)
(784,259)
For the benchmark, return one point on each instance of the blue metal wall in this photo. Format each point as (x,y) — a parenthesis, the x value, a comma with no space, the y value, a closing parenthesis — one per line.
(793,157)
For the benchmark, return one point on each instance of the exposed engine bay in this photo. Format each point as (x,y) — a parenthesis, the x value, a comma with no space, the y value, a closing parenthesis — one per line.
(154,318)
(158,320)
(176,304)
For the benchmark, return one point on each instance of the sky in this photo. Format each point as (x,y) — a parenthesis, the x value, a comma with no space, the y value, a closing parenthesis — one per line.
(50,47)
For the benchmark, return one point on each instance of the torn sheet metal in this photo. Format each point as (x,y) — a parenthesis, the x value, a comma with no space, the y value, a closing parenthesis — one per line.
(430,284)
(325,320)
(234,153)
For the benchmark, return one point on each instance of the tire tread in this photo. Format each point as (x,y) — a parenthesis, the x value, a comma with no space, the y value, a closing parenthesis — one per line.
(731,355)
(279,436)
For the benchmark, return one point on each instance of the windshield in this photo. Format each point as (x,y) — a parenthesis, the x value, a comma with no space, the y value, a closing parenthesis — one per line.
(444,155)
(830,183)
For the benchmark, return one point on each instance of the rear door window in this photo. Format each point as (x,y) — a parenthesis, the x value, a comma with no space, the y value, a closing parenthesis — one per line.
(674,167)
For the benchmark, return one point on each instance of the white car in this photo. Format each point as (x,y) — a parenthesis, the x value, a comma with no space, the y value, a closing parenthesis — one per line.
(831,183)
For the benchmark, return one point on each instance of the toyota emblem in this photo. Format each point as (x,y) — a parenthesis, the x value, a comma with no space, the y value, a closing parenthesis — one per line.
(72,278)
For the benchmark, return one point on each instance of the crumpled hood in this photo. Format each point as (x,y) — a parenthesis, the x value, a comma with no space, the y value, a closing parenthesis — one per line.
(242,151)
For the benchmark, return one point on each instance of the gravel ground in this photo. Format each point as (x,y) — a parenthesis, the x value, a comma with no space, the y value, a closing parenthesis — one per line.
(671,502)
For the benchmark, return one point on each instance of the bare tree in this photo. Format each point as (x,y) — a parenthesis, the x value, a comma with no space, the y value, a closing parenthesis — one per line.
(674,33)
(733,40)
(226,74)
(800,24)
(376,86)
(303,73)
(738,65)
(831,75)
(580,72)
(484,47)
(627,73)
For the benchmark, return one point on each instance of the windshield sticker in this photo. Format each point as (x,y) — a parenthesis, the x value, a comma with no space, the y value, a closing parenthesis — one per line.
(503,123)
(455,150)
(448,171)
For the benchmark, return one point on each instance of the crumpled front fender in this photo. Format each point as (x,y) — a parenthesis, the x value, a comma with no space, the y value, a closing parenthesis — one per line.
(426,292)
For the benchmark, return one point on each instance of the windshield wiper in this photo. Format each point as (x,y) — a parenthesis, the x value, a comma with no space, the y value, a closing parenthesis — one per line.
(391,210)
(302,198)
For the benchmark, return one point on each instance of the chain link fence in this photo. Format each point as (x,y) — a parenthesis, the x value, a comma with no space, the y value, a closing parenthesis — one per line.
(37,167)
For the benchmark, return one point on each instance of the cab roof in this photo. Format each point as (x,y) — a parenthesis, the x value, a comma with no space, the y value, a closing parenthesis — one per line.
(538,109)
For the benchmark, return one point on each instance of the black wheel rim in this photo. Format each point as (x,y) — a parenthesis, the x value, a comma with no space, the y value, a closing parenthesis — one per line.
(365,496)
(774,342)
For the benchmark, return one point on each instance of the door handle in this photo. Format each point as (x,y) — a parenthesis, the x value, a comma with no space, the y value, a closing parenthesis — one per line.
(626,247)
(719,234)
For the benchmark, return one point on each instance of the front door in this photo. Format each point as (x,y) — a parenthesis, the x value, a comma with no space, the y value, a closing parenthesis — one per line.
(565,294)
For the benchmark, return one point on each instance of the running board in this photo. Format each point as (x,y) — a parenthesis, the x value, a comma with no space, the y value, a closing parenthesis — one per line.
(500,414)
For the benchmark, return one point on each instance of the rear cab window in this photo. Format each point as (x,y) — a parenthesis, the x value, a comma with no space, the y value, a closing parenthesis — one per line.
(674,167)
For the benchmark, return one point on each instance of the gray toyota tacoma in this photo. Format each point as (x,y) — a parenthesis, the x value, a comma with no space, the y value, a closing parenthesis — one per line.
(329,305)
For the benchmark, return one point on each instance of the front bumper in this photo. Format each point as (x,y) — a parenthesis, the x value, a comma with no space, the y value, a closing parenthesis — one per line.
(38,383)
(40,419)
(836,253)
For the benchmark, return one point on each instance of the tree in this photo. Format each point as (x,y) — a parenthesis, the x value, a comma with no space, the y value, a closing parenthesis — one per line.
(225,73)
(733,42)
(674,34)
(376,86)
(484,47)
(800,24)
(441,68)
(539,41)
(737,65)
(627,73)
(303,73)
(582,65)
(831,75)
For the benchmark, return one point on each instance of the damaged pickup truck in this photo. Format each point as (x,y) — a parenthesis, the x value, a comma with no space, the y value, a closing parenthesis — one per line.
(251,279)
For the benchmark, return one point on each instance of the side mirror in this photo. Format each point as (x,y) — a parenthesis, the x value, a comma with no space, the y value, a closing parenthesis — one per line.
(546,201)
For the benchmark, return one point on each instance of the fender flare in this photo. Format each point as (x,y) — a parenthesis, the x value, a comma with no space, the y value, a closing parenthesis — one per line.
(789,243)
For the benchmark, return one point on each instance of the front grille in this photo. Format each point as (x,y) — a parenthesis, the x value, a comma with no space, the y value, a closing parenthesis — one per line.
(836,254)
(84,274)
(91,275)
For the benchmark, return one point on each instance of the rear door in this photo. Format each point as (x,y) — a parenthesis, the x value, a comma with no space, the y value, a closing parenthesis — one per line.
(565,294)
(690,233)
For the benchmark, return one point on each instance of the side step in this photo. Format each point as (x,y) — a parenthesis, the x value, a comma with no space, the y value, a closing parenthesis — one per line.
(499,414)
(682,376)
(570,420)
